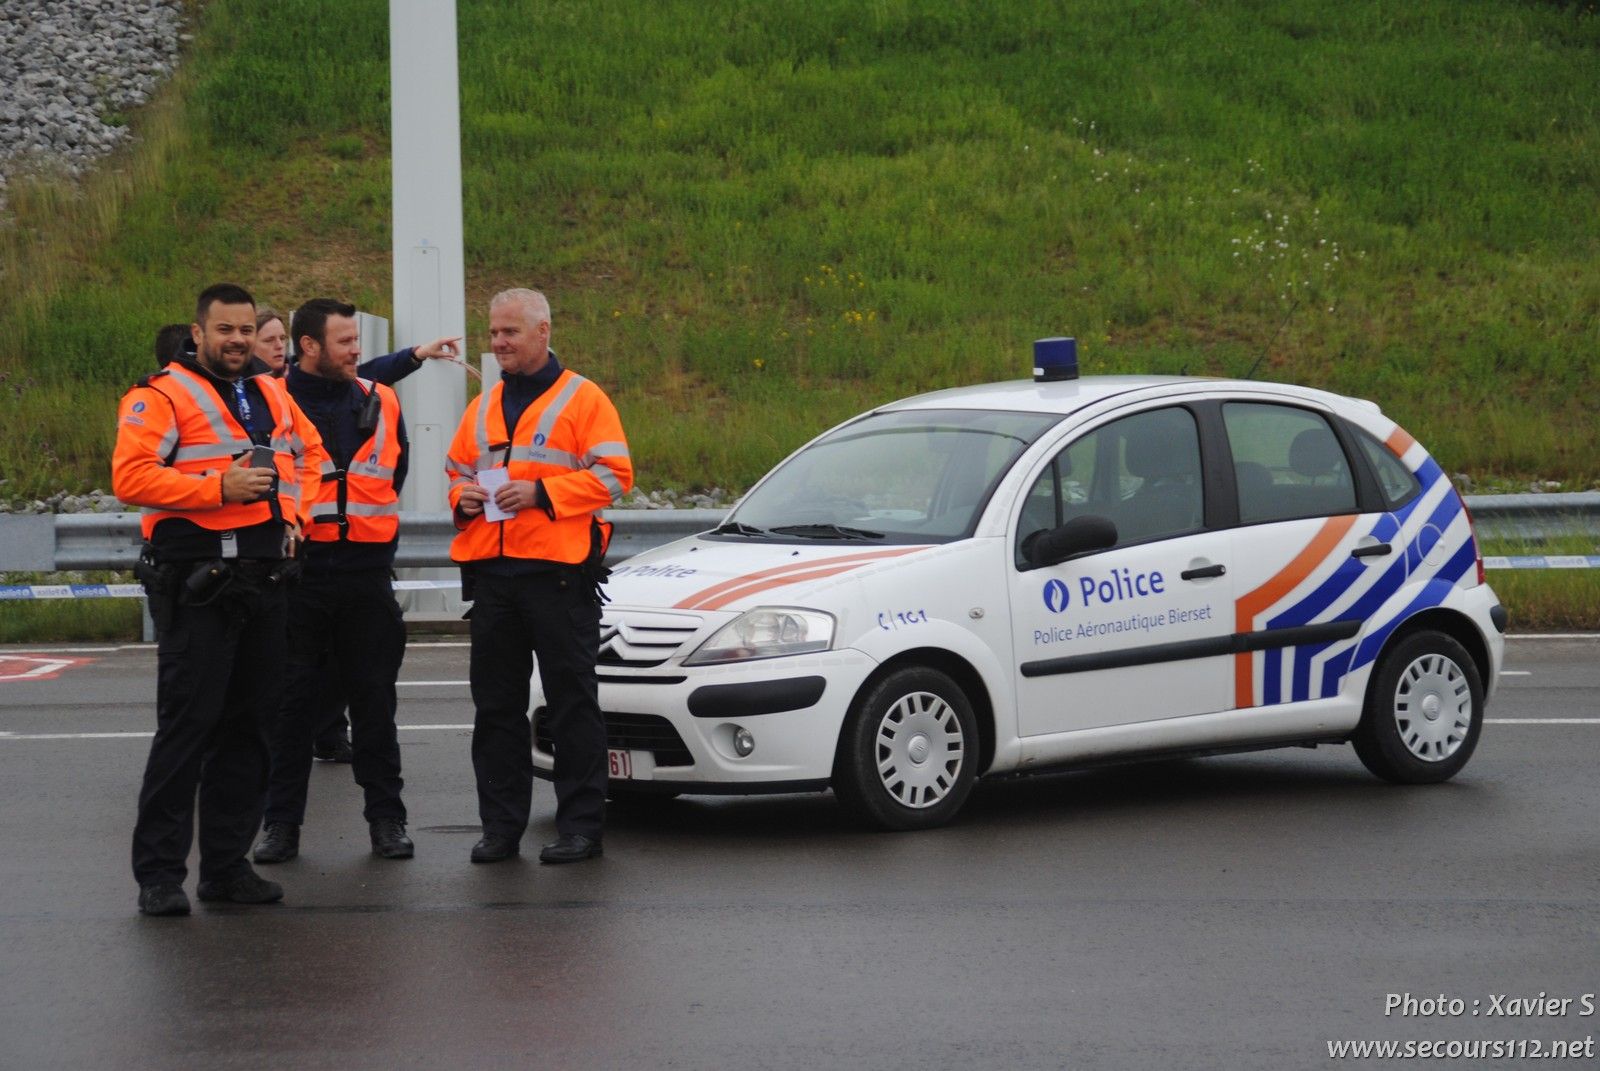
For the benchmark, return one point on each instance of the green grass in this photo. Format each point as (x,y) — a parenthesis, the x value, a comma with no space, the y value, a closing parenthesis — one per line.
(754,219)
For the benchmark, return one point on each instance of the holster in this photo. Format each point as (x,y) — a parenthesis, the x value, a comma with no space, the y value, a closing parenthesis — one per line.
(160,587)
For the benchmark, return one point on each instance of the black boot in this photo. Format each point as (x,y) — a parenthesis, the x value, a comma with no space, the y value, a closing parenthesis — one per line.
(163,899)
(389,839)
(245,888)
(280,842)
(495,847)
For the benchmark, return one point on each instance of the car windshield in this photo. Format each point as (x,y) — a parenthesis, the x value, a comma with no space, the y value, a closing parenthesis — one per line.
(909,476)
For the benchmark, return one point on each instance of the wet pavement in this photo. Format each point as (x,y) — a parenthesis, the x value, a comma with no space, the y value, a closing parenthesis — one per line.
(1228,912)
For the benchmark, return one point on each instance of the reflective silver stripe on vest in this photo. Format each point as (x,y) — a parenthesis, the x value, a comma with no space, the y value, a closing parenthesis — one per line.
(370,509)
(329,468)
(547,419)
(461,481)
(484,402)
(600,450)
(223,451)
(289,444)
(378,443)
(169,439)
(209,404)
(546,455)
(459,468)
(609,479)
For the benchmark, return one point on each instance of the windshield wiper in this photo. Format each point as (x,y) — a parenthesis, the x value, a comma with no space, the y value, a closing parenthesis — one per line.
(738,528)
(826,531)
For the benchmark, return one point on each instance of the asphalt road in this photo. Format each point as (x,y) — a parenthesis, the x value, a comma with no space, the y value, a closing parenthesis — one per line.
(1231,912)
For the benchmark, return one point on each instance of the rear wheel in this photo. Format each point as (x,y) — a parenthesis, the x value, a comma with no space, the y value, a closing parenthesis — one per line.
(1424,711)
(909,751)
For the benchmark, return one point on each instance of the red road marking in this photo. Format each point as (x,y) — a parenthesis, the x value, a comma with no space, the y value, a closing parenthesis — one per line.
(36,667)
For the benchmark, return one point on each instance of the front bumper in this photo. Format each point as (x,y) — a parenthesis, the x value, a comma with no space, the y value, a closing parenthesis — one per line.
(677,723)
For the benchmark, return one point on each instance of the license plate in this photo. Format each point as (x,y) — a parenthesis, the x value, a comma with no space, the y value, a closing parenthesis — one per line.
(621,763)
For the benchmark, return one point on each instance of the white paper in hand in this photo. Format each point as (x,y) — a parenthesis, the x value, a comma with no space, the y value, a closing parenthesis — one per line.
(492,480)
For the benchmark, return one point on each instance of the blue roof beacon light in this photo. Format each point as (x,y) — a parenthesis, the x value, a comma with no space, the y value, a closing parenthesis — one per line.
(1055,359)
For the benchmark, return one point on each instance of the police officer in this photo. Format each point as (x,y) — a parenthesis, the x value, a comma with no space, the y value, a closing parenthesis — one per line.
(222,464)
(332,740)
(343,618)
(534,577)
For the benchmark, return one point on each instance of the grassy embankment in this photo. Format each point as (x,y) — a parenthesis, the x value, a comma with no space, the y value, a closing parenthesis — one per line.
(755,219)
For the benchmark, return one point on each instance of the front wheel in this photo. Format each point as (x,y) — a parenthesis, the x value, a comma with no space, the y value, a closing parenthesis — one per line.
(909,751)
(1424,711)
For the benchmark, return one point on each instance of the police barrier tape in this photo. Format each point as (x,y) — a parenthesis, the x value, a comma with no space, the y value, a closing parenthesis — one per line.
(25,592)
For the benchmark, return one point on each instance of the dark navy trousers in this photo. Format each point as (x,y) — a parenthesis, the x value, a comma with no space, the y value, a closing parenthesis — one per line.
(553,616)
(218,687)
(347,639)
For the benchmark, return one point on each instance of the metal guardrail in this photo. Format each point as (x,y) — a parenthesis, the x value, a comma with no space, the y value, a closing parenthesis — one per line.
(1535,520)
(43,543)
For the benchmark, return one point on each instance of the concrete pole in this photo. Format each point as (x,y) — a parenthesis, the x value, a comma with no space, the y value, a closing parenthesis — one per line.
(429,262)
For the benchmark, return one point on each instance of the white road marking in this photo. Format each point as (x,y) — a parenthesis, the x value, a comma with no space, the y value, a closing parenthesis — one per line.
(1541,721)
(430,684)
(39,667)
(1516,673)
(146,735)
(1554,636)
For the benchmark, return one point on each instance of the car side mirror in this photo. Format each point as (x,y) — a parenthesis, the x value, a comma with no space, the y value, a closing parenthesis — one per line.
(1078,536)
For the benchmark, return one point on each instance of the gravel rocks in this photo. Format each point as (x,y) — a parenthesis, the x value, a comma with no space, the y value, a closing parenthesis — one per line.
(96,501)
(72,68)
(716,498)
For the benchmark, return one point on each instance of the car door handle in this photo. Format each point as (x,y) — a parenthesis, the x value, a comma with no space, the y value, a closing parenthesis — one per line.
(1372,550)
(1204,571)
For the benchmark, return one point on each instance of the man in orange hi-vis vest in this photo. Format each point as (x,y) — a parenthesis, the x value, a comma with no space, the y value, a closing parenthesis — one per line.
(224,465)
(531,546)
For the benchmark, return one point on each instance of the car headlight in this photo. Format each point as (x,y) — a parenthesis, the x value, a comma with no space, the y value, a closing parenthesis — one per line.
(766,632)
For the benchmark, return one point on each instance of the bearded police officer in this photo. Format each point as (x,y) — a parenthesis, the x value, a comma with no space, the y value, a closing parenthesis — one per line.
(535,576)
(223,465)
(346,634)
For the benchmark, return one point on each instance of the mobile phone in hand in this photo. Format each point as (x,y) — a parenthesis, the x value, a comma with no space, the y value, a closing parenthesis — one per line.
(264,457)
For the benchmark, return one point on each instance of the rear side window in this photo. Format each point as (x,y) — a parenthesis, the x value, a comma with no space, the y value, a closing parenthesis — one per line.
(1394,479)
(1287,463)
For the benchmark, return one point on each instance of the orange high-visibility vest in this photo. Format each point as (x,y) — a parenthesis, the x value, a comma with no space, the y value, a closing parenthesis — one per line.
(175,436)
(571,438)
(370,512)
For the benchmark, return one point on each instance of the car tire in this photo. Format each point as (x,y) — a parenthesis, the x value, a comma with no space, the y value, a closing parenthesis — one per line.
(909,751)
(1424,711)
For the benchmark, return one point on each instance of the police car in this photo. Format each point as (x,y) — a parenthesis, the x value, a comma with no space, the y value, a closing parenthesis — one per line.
(1043,574)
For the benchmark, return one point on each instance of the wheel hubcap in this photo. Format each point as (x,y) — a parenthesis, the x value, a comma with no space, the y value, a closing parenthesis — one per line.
(1433,707)
(920,748)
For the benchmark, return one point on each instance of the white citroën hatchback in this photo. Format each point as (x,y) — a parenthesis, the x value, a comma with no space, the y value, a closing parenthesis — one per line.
(1034,575)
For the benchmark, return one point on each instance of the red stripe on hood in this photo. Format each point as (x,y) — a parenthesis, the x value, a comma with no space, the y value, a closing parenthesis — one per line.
(713,597)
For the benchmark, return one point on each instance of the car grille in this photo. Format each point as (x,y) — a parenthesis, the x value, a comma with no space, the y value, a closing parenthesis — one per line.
(628,732)
(640,639)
